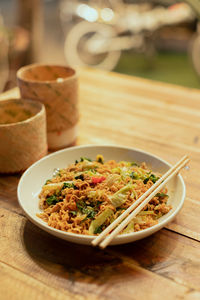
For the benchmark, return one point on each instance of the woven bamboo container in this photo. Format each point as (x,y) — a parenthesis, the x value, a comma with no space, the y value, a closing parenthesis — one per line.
(57,88)
(22,134)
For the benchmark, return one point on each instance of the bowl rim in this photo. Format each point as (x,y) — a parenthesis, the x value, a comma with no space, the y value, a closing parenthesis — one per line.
(54,81)
(41,111)
(118,238)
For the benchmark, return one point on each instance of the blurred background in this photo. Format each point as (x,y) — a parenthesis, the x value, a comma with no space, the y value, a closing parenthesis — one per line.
(159,40)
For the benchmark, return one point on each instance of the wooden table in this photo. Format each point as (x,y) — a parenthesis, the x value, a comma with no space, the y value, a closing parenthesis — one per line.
(115,109)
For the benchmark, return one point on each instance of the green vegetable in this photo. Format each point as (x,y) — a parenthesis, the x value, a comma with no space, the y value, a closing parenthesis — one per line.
(90,172)
(98,229)
(47,181)
(129,228)
(89,212)
(120,196)
(98,203)
(134,175)
(140,220)
(152,177)
(125,189)
(74,186)
(73,212)
(68,185)
(85,158)
(134,164)
(133,194)
(100,159)
(120,208)
(118,199)
(111,179)
(100,220)
(82,159)
(124,172)
(92,195)
(161,195)
(90,166)
(55,185)
(124,163)
(80,205)
(116,170)
(86,210)
(81,177)
(52,200)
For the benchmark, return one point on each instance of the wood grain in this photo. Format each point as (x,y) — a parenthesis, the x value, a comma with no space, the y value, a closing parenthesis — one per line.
(14,284)
(8,192)
(109,274)
(115,109)
(188,226)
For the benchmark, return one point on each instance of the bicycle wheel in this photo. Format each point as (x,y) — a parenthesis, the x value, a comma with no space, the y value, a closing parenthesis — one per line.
(76,48)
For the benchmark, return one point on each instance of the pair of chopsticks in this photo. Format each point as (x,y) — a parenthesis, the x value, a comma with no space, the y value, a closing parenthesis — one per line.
(137,206)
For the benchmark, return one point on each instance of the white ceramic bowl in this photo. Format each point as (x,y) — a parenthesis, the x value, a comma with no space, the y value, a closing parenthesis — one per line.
(33,179)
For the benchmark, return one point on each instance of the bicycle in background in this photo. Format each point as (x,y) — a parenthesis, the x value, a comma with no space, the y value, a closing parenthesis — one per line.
(101,30)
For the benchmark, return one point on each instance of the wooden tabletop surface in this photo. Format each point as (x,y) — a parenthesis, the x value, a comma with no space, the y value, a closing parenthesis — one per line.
(115,109)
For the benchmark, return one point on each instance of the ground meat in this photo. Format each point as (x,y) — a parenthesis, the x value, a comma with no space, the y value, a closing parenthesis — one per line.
(162,208)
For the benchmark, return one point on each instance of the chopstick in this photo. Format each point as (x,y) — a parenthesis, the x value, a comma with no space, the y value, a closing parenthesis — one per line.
(138,205)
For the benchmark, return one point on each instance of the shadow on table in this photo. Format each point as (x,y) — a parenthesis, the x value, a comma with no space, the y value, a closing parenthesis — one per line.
(89,264)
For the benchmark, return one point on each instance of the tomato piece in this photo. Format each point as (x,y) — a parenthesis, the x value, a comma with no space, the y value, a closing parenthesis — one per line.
(96,180)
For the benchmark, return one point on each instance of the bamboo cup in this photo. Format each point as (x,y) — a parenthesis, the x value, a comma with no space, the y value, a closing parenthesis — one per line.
(57,88)
(22,134)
